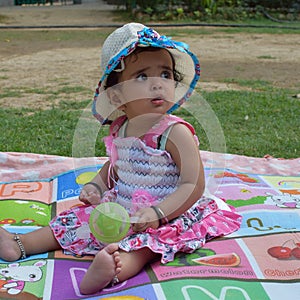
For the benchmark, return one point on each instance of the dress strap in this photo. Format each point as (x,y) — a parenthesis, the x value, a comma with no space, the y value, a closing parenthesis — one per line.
(116,125)
(157,136)
(161,144)
(122,129)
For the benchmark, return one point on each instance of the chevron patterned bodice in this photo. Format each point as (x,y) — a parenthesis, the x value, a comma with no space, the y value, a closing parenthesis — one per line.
(143,169)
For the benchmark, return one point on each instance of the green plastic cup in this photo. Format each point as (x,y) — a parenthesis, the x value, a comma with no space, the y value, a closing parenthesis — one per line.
(109,222)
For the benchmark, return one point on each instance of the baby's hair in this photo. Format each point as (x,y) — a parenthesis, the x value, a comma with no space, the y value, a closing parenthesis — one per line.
(113,77)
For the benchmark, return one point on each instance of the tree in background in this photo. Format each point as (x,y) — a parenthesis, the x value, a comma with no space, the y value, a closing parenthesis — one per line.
(212,9)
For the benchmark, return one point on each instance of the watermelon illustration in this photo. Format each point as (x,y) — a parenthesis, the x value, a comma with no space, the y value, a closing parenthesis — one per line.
(219,260)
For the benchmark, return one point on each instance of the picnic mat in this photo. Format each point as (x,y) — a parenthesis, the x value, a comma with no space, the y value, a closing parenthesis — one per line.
(260,261)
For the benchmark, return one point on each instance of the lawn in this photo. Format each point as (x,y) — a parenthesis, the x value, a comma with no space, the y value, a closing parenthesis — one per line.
(259,118)
(267,125)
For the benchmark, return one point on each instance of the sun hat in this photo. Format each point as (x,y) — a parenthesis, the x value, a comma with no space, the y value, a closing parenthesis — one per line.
(121,43)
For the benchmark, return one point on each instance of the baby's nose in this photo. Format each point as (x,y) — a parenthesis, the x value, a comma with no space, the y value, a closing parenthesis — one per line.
(156,83)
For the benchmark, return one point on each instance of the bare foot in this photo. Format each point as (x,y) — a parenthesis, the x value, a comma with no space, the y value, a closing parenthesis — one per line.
(9,249)
(105,266)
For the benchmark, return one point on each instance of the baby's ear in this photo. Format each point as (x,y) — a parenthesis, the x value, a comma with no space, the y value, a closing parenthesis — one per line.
(114,96)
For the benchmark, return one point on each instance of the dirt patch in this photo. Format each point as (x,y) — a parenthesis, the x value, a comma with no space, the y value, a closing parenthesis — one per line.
(28,67)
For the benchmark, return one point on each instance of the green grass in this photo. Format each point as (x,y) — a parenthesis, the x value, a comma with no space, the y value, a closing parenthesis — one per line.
(56,37)
(258,123)
(40,40)
(253,123)
(81,37)
(184,31)
(257,85)
(42,131)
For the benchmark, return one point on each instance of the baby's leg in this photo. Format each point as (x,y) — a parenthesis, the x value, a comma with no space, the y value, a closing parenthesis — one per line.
(109,263)
(35,242)
(105,266)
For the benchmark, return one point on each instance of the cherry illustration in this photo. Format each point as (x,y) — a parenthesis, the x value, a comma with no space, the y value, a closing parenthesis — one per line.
(280,252)
(296,251)
(283,252)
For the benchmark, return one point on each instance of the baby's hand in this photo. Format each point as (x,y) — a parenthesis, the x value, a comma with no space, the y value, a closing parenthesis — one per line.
(90,195)
(146,217)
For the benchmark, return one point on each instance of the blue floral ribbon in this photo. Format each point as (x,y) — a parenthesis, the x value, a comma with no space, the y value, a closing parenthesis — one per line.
(148,37)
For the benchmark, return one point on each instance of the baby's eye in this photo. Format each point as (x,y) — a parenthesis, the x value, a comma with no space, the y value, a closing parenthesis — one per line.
(166,75)
(141,77)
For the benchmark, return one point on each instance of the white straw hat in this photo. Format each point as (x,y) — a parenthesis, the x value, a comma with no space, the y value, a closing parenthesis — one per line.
(121,43)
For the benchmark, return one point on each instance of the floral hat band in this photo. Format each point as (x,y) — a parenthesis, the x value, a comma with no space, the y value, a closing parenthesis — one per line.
(121,43)
(149,37)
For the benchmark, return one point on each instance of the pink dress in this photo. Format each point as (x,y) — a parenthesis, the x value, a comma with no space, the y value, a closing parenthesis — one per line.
(146,176)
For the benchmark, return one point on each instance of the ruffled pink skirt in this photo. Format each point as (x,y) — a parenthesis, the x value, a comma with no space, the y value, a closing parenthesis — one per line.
(190,231)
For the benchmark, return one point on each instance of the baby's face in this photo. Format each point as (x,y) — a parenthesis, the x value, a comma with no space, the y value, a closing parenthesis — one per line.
(147,83)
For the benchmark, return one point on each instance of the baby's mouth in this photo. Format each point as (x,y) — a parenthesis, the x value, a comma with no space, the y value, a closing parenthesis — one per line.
(158,101)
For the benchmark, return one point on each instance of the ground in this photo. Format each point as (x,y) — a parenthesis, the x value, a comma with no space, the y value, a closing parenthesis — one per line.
(251,56)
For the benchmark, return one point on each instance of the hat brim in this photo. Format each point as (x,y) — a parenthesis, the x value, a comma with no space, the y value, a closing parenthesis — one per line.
(186,63)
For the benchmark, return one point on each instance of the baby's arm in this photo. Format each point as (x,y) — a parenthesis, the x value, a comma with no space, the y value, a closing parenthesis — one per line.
(92,191)
(185,153)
